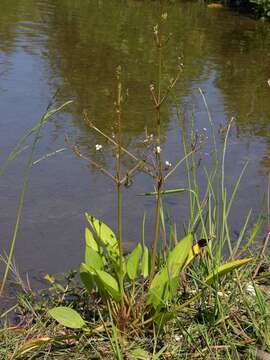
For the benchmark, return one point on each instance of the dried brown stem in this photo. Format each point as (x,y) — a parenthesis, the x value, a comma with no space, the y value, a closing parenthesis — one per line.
(77,152)
(92,126)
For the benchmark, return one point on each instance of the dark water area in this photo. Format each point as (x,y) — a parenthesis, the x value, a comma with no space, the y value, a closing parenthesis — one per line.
(75,47)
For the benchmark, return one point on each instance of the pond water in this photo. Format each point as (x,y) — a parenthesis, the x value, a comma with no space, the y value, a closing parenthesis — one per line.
(74,47)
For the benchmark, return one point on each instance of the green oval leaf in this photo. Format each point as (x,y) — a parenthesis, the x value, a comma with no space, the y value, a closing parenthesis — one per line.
(165,282)
(67,317)
(104,233)
(177,257)
(133,262)
(158,291)
(93,259)
(90,240)
(109,283)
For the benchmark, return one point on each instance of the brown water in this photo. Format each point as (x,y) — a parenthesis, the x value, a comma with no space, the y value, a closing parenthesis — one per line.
(75,46)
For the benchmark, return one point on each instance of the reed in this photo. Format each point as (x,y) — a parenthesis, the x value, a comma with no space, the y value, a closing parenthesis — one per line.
(35,132)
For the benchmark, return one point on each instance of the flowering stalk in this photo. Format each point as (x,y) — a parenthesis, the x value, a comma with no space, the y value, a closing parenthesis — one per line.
(119,186)
(159,176)
(158,100)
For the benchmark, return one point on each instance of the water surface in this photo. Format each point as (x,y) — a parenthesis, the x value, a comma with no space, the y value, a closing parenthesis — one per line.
(74,47)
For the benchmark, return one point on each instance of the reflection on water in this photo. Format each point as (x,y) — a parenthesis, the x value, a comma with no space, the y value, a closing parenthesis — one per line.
(75,47)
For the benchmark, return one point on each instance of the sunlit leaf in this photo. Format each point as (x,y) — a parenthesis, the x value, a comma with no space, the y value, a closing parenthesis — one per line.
(90,240)
(67,317)
(158,291)
(165,282)
(177,257)
(109,283)
(225,269)
(105,234)
(93,259)
(145,262)
(220,271)
(133,262)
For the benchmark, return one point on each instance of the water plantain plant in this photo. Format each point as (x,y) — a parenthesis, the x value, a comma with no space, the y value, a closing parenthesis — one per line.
(143,303)
(140,292)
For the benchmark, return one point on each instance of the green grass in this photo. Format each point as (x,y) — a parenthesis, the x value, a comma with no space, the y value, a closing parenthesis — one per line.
(228,322)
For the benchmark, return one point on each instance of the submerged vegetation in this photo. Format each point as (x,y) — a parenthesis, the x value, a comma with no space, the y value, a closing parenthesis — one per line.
(191,292)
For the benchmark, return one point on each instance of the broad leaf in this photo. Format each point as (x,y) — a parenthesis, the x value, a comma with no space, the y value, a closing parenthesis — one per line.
(145,262)
(90,240)
(177,257)
(158,291)
(225,269)
(109,283)
(87,276)
(105,234)
(67,317)
(133,262)
(93,259)
(165,282)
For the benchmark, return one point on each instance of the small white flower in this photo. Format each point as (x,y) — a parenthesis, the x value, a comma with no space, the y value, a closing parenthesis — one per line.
(168,164)
(98,147)
(158,149)
(204,129)
(148,138)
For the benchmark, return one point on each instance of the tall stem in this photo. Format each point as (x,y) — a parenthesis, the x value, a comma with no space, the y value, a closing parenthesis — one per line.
(159,181)
(156,236)
(120,239)
(119,187)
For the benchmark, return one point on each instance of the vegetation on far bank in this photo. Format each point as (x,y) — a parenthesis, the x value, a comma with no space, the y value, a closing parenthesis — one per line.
(261,8)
